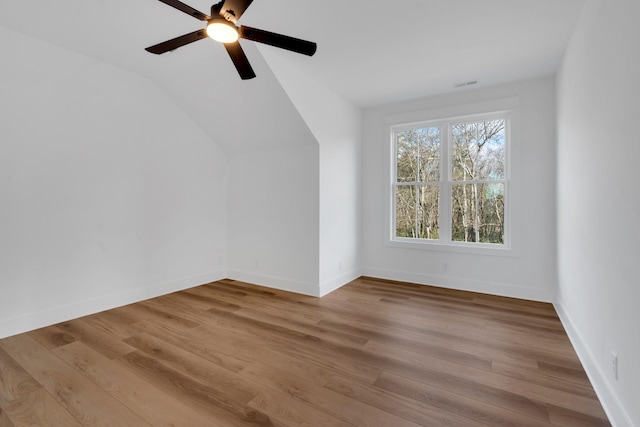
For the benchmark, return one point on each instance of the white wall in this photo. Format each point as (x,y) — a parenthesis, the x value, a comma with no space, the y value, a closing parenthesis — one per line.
(273,225)
(530,270)
(273,218)
(599,201)
(108,193)
(336,125)
(340,202)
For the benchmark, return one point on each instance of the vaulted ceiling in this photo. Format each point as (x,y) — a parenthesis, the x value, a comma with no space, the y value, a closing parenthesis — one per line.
(370,52)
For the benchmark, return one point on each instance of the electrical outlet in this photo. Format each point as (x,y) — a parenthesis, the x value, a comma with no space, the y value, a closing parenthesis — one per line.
(614,365)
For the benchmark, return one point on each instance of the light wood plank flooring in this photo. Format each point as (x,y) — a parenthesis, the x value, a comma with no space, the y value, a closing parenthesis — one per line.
(373,353)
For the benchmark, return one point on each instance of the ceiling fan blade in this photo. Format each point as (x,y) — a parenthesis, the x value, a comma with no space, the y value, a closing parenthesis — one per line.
(187,9)
(233,9)
(240,60)
(177,42)
(278,40)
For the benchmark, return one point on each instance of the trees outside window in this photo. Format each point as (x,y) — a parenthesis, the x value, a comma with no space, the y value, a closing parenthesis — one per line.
(450,181)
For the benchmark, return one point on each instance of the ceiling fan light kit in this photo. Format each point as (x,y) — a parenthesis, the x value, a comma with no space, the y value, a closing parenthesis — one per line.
(221,26)
(222,31)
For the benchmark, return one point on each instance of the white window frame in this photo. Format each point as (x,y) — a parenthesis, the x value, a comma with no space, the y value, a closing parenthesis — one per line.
(507,109)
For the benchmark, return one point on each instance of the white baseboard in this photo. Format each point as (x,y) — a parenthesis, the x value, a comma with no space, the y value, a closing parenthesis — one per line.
(275,282)
(331,285)
(53,315)
(614,410)
(463,284)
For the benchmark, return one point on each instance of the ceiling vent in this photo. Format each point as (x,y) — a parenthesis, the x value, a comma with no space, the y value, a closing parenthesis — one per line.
(463,84)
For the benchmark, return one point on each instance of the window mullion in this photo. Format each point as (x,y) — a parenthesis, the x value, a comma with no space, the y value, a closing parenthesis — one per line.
(445,184)
(417,197)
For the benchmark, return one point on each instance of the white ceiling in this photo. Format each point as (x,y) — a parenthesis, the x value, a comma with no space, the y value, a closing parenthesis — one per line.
(369,51)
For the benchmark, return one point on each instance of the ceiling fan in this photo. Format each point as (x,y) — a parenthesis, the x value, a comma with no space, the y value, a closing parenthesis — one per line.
(221,26)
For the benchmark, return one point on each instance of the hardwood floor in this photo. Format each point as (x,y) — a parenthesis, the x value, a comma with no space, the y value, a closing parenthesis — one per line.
(373,353)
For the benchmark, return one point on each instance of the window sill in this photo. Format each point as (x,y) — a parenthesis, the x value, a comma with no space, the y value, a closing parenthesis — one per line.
(461,248)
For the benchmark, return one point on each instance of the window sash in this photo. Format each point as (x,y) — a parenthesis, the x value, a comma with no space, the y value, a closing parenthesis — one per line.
(446,183)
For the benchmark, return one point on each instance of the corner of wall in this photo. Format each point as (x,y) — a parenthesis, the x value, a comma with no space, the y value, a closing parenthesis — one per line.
(330,285)
(283,284)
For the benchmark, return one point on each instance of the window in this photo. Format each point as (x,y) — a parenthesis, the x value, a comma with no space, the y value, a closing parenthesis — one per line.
(450,181)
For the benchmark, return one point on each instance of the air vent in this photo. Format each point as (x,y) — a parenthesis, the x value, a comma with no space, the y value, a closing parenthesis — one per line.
(463,84)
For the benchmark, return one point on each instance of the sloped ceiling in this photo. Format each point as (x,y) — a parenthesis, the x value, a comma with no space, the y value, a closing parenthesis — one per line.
(239,115)
(370,52)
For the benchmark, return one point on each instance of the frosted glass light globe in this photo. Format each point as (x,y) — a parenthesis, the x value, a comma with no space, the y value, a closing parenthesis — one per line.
(222,31)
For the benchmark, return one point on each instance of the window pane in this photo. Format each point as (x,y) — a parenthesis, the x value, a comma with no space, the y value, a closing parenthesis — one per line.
(477,213)
(429,155)
(418,155)
(417,211)
(477,151)
(405,211)
(428,209)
